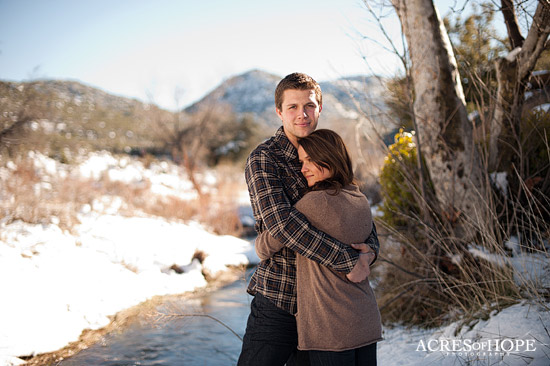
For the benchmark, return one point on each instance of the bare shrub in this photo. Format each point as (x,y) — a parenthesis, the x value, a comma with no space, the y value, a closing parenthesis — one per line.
(29,197)
(219,210)
(25,196)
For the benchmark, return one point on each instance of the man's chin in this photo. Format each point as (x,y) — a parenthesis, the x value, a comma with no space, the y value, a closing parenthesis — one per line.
(305,131)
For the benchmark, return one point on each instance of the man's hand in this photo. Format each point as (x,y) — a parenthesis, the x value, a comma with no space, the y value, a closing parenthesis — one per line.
(362,269)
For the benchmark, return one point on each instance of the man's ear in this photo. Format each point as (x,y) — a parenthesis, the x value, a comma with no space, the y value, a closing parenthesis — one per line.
(320,108)
(279,113)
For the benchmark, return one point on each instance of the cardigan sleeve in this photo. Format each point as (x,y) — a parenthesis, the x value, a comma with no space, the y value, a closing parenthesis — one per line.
(266,245)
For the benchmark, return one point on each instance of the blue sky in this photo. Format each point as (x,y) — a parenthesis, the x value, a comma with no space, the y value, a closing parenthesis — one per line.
(151,49)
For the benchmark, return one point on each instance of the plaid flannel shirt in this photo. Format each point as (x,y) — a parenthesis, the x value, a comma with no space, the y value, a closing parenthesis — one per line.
(275,184)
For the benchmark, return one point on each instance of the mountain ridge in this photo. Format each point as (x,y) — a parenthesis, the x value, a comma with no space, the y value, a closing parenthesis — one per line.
(252,92)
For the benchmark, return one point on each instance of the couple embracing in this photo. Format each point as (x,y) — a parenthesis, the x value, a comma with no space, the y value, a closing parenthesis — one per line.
(313,304)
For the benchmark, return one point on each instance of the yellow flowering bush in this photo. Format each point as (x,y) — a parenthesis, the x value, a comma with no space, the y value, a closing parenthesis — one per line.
(399,178)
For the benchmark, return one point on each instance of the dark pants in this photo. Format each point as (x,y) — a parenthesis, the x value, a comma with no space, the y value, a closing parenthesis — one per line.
(364,356)
(271,337)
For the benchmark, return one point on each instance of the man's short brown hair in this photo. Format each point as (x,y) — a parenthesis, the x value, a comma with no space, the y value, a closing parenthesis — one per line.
(297,81)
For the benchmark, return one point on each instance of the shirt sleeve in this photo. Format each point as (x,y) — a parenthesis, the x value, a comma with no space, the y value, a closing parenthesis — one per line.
(288,225)
(372,241)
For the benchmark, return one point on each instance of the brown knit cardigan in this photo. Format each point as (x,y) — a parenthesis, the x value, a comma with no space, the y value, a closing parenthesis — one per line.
(334,314)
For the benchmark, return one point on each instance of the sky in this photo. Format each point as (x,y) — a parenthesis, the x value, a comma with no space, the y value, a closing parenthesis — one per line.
(172,53)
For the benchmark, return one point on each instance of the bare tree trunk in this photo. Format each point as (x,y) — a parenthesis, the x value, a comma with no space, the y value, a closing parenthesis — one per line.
(513,72)
(444,131)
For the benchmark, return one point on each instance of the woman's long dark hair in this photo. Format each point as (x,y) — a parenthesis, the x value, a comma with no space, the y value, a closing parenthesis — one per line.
(326,149)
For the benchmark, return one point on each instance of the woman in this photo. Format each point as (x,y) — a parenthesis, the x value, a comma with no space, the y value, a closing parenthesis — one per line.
(338,320)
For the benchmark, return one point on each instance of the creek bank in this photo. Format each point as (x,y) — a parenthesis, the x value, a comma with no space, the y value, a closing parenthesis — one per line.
(125,318)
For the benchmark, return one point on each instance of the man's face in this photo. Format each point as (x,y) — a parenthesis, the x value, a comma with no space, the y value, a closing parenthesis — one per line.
(299,113)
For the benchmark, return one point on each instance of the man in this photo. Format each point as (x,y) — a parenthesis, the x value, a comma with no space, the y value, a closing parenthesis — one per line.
(275,184)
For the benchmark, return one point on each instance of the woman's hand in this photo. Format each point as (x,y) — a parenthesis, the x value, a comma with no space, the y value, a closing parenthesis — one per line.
(362,269)
(365,249)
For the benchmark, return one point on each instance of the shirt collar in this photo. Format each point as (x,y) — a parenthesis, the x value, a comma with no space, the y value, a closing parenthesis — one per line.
(290,152)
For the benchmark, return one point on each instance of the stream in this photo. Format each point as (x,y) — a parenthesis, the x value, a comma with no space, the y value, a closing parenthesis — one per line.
(182,340)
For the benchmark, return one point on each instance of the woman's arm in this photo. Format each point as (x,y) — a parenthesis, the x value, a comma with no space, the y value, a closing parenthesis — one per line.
(266,245)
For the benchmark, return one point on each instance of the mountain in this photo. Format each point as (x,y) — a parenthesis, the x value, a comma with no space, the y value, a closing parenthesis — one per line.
(68,115)
(352,106)
(251,93)
(357,95)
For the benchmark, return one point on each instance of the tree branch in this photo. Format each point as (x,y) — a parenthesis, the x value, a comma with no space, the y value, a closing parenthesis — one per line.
(511,21)
(536,39)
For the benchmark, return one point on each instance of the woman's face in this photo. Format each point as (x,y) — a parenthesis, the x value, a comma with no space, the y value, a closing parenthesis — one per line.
(310,170)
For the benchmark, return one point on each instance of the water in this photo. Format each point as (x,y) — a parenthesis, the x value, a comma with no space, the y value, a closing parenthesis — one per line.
(182,340)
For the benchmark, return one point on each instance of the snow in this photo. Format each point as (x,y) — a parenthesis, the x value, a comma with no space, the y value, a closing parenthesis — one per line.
(56,283)
(500,180)
(530,269)
(543,108)
(511,56)
(518,335)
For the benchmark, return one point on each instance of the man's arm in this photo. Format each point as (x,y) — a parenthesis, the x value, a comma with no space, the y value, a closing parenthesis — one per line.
(373,243)
(288,225)
(369,251)
(266,245)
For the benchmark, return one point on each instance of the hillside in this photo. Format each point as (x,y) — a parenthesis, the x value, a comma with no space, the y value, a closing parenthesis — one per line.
(67,115)
(251,93)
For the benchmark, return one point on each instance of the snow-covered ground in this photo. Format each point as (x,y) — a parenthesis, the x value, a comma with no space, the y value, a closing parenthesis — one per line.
(55,283)
(518,335)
